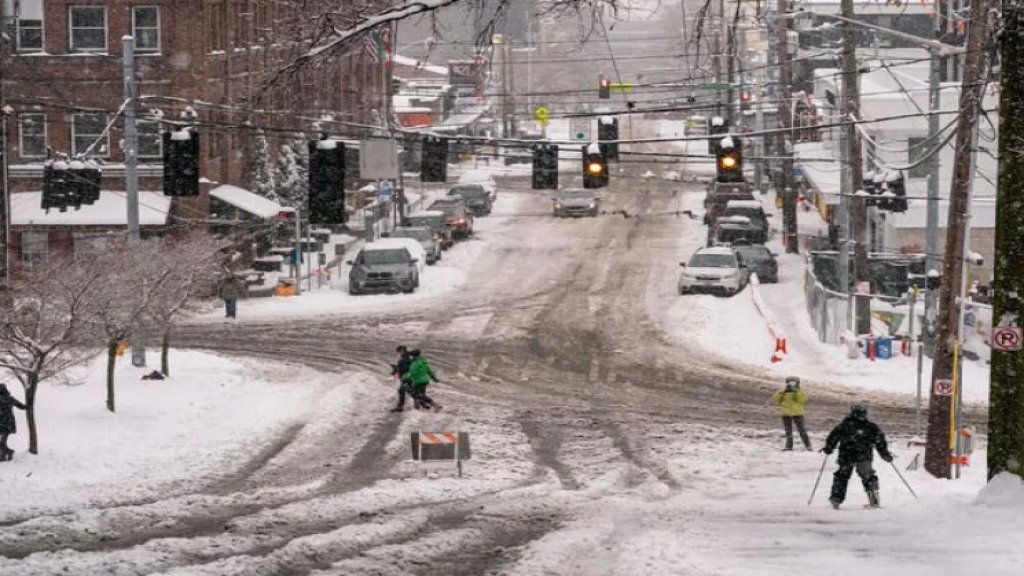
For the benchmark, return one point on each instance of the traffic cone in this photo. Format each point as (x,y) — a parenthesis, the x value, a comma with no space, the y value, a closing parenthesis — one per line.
(780,350)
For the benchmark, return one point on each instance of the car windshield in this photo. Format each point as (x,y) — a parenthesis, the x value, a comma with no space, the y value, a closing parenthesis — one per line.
(414,233)
(389,256)
(469,192)
(713,261)
(575,195)
(449,208)
(434,222)
(753,253)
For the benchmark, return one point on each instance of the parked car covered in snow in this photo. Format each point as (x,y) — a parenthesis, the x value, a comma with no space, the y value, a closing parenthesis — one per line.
(716,270)
(425,236)
(436,221)
(758,258)
(729,230)
(387,265)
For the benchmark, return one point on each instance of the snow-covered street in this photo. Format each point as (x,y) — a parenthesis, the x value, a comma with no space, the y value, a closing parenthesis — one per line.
(617,428)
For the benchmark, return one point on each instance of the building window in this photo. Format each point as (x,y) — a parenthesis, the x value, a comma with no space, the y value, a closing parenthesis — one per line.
(146,28)
(32,129)
(27,16)
(35,248)
(90,246)
(88,128)
(150,139)
(916,148)
(88,29)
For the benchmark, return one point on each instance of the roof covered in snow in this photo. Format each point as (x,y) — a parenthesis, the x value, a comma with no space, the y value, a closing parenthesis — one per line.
(244,200)
(109,210)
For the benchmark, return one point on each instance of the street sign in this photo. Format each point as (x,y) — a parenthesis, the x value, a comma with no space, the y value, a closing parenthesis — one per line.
(943,387)
(1007,338)
(378,159)
(385,190)
(714,85)
(864,287)
(542,114)
(580,129)
(624,87)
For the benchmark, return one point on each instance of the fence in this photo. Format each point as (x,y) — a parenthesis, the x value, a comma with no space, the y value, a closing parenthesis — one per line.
(826,308)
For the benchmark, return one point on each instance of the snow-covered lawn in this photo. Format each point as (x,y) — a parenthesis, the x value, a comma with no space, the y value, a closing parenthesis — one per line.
(211,416)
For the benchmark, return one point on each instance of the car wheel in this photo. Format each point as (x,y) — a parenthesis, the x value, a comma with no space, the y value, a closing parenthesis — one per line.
(353,291)
(682,291)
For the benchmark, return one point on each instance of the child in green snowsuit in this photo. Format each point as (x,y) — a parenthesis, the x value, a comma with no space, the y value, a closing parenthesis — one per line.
(417,378)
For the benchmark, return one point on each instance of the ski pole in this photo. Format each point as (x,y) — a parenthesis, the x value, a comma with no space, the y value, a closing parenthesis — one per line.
(904,479)
(816,482)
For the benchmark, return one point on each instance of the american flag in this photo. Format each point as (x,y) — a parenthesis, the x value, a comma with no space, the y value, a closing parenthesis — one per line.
(377,44)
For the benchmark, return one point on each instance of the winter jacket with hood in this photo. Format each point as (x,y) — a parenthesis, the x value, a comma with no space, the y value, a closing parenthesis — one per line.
(857,438)
(791,401)
(420,374)
(7,405)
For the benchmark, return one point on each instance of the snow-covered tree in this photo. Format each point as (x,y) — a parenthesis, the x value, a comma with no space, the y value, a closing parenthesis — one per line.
(46,314)
(262,175)
(292,174)
(132,278)
(193,263)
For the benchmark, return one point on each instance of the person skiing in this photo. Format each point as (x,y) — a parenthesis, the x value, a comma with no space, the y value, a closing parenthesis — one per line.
(399,369)
(418,377)
(857,438)
(791,400)
(8,425)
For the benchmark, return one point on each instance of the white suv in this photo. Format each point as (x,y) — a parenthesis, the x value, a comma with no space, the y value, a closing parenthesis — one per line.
(712,270)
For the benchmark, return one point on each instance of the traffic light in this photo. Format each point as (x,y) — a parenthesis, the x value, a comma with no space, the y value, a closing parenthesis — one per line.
(595,166)
(871,183)
(604,88)
(717,130)
(897,198)
(326,182)
(434,161)
(607,130)
(729,159)
(545,166)
(57,189)
(745,100)
(85,178)
(181,163)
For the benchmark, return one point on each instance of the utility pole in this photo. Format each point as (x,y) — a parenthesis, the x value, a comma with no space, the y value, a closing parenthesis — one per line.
(947,353)
(785,146)
(1006,392)
(931,258)
(716,47)
(131,177)
(856,204)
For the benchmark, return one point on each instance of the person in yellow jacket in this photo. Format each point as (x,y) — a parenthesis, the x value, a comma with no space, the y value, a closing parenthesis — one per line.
(791,401)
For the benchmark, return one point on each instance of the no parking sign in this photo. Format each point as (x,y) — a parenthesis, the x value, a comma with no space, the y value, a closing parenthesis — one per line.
(1007,338)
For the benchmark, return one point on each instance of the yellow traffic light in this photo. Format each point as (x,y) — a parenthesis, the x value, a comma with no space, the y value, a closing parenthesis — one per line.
(595,168)
(727,162)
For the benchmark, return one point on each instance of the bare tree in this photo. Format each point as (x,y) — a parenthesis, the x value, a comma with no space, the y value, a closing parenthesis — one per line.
(193,264)
(47,313)
(131,279)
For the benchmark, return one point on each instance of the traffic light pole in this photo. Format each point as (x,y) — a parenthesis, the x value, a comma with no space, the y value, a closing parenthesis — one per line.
(131,177)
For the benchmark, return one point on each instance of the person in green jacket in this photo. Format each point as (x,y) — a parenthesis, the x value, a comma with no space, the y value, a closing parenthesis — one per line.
(417,378)
(791,401)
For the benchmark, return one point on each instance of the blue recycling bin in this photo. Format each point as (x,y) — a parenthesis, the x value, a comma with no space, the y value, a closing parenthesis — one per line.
(883,347)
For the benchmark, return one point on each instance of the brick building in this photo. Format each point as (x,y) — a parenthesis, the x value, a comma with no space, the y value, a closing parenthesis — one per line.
(62,82)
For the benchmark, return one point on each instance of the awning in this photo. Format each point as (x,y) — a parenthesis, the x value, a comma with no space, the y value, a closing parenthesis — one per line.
(109,210)
(246,201)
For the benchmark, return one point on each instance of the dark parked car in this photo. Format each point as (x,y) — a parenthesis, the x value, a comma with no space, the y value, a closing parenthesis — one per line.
(575,202)
(477,199)
(436,221)
(720,193)
(385,265)
(729,230)
(751,209)
(456,214)
(758,258)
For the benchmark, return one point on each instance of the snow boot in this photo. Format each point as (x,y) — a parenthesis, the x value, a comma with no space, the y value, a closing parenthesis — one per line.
(438,407)
(873,500)
(835,503)
(397,409)
(6,455)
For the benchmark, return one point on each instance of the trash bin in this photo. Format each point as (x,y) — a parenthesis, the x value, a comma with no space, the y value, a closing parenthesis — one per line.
(883,347)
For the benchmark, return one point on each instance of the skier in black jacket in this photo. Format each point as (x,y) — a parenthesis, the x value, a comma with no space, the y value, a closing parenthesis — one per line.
(857,438)
(399,370)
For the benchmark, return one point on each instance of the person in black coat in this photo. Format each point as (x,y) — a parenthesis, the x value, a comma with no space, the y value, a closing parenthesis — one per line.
(8,425)
(399,370)
(857,438)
